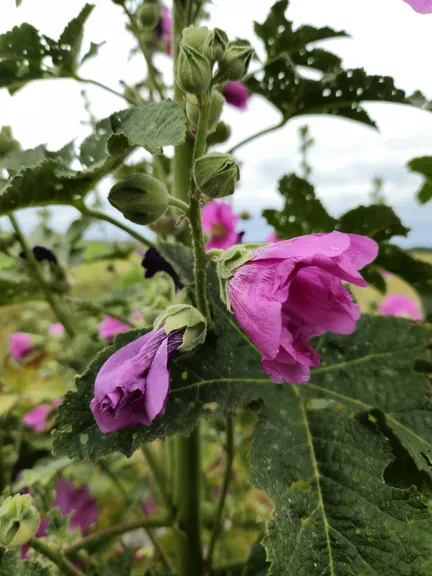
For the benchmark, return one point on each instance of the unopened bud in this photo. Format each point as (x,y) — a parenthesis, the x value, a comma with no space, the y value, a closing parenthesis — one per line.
(19,521)
(193,71)
(245,215)
(216,45)
(216,108)
(149,16)
(236,62)
(195,38)
(184,316)
(141,198)
(221,134)
(216,175)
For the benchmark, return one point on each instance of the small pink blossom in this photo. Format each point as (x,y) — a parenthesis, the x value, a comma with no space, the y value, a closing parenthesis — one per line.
(20,345)
(291,291)
(420,6)
(56,329)
(38,417)
(272,237)
(219,222)
(236,94)
(401,306)
(164,29)
(110,326)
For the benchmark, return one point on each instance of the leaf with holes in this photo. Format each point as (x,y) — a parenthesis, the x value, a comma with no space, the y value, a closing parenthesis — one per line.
(376,221)
(423,166)
(69,44)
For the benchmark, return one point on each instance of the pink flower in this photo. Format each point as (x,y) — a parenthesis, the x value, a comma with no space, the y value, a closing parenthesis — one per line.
(292,290)
(132,386)
(38,417)
(78,500)
(272,237)
(20,345)
(110,326)
(219,222)
(420,6)
(164,28)
(401,306)
(236,94)
(56,329)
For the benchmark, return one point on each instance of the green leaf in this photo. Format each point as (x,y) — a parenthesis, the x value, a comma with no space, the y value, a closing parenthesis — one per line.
(256,564)
(43,473)
(10,565)
(376,221)
(424,195)
(116,567)
(92,51)
(423,166)
(69,43)
(19,159)
(16,287)
(151,125)
(94,147)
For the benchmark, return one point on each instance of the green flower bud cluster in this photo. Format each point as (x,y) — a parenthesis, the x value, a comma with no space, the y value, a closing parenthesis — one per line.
(149,14)
(19,521)
(235,64)
(216,175)
(184,316)
(193,69)
(141,198)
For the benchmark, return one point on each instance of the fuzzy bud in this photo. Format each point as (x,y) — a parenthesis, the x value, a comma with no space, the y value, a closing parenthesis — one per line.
(216,108)
(221,134)
(216,175)
(195,38)
(183,316)
(193,71)
(236,63)
(216,45)
(141,198)
(149,16)
(19,521)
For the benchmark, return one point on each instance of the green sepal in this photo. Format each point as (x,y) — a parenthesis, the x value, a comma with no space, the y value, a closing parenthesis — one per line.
(184,316)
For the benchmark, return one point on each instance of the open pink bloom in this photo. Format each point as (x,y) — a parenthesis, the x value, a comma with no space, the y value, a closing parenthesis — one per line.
(20,345)
(109,327)
(421,6)
(292,290)
(219,222)
(236,94)
(56,329)
(38,417)
(272,237)
(401,306)
(132,386)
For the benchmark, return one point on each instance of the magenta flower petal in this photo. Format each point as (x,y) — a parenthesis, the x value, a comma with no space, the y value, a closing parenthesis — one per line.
(401,306)
(20,345)
(272,237)
(420,6)
(219,222)
(292,290)
(56,328)
(236,94)
(37,418)
(78,500)
(109,327)
(158,383)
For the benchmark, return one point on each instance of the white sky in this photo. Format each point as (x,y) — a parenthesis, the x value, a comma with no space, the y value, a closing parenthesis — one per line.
(388,38)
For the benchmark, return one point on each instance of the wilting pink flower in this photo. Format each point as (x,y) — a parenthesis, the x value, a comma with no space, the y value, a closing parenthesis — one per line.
(38,417)
(236,94)
(401,306)
(292,290)
(163,29)
(132,386)
(56,329)
(109,327)
(272,237)
(20,345)
(421,6)
(219,222)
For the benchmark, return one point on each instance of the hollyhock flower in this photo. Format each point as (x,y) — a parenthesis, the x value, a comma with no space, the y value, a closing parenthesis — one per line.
(236,94)
(284,293)
(163,29)
(154,262)
(219,222)
(70,498)
(272,237)
(420,6)
(56,329)
(20,345)
(109,327)
(401,306)
(38,417)
(132,386)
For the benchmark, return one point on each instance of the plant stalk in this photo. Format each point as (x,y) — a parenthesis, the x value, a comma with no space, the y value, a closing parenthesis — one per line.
(104,87)
(159,475)
(51,298)
(56,557)
(258,135)
(177,203)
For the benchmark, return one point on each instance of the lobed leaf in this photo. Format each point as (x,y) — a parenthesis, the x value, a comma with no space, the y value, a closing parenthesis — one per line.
(423,166)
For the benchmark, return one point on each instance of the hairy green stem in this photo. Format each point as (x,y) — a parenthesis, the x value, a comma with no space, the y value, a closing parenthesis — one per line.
(98,309)
(102,216)
(217,526)
(56,557)
(173,201)
(159,475)
(101,537)
(51,298)
(258,135)
(104,87)
(150,68)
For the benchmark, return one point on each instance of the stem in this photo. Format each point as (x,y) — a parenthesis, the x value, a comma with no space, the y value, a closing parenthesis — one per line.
(106,88)
(56,557)
(217,526)
(144,50)
(50,297)
(258,135)
(110,533)
(158,474)
(179,204)
(102,216)
(99,309)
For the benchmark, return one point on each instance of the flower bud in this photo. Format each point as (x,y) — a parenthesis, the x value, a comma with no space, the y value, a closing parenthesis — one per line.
(216,45)
(220,135)
(195,38)
(216,175)
(183,316)
(149,16)
(193,71)
(216,107)
(19,521)
(236,62)
(141,198)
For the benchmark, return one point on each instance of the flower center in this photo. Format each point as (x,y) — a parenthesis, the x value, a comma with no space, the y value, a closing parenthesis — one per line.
(218,231)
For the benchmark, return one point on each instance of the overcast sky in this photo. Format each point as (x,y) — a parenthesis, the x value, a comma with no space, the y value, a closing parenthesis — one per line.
(388,38)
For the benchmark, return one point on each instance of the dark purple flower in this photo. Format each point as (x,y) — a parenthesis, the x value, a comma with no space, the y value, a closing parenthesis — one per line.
(132,386)
(42,254)
(236,94)
(154,262)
